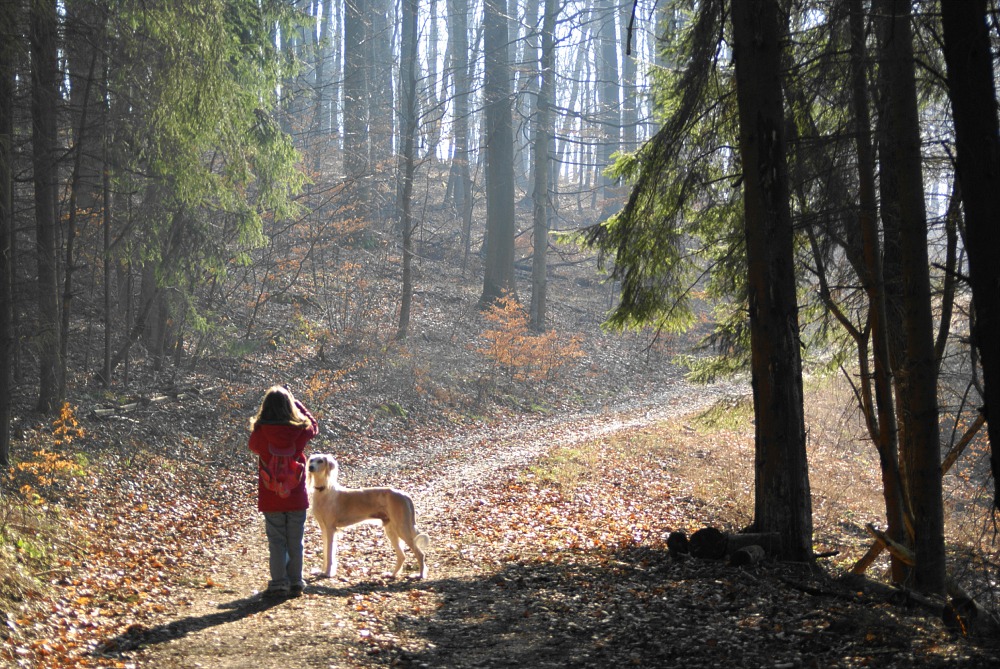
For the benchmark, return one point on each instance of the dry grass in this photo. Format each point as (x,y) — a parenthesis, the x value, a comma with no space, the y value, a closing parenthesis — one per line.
(705,462)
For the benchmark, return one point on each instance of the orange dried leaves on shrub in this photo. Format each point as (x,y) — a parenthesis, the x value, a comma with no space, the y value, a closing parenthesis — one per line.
(524,355)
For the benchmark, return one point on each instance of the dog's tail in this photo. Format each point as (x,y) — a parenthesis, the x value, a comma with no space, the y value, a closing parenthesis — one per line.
(422,541)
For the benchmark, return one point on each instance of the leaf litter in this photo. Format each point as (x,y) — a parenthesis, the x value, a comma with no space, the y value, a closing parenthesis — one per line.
(549,551)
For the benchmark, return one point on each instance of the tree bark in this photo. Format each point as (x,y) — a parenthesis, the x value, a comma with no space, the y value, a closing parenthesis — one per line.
(8,54)
(609,102)
(460,171)
(543,142)
(44,106)
(883,431)
(972,90)
(380,100)
(408,67)
(499,270)
(355,87)
(921,450)
(782,500)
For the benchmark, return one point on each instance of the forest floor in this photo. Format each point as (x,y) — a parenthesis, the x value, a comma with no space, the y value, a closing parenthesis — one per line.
(548,552)
(130,537)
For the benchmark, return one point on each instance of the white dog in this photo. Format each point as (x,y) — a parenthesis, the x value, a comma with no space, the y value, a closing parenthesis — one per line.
(335,508)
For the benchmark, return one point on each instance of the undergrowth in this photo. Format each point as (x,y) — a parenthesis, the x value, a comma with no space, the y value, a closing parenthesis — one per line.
(33,534)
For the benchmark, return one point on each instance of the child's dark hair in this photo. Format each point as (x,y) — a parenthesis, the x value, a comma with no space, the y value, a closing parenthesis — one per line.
(278,408)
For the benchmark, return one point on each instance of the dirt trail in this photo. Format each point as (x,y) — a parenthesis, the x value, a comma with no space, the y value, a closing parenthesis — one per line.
(337,621)
(506,590)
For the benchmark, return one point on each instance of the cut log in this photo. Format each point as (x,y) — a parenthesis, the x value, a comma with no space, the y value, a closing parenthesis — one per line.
(677,544)
(747,556)
(769,541)
(709,543)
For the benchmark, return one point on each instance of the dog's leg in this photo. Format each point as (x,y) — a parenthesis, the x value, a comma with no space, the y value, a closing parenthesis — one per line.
(415,543)
(329,551)
(397,545)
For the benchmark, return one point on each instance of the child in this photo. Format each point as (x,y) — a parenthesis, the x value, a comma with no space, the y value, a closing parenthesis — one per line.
(279,434)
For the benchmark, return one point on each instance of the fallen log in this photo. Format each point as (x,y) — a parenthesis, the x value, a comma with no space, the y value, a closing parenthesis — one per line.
(956,450)
(710,543)
(962,611)
(969,615)
(769,541)
(895,594)
(747,556)
(104,412)
(678,545)
(896,549)
(861,566)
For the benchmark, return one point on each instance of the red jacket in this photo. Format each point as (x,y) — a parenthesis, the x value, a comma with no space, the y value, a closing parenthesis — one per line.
(282,437)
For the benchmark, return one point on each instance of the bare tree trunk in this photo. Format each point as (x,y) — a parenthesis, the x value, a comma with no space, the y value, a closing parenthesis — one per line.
(318,135)
(105,374)
(781,502)
(630,91)
(921,452)
(355,87)
(381,121)
(460,170)
(8,68)
(528,91)
(44,105)
(408,67)
(435,109)
(972,90)
(543,142)
(75,186)
(884,435)
(609,102)
(499,271)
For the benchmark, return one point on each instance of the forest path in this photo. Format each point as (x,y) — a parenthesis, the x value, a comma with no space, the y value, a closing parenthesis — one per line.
(344,621)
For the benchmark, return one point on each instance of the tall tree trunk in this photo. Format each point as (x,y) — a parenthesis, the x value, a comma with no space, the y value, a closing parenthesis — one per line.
(318,135)
(44,106)
(528,92)
(8,54)
(71,225)
(82,23)
(782,501)
(609,103)
(460,170)
(435,108)
(884,435)
(921,449)
(973,99)
(630,90)
(499,270)
(333,71)
(408,68)
(380,99)
(105,375)
(543,142)
(355,87)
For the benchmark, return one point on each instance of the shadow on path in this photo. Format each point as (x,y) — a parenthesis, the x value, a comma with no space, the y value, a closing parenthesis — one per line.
(137,636)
